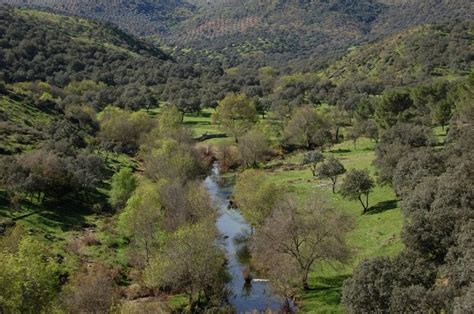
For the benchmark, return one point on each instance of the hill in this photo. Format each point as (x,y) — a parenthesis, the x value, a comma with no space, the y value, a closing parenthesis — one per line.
(417,56)
(140,17)
(61,50)
(263,31)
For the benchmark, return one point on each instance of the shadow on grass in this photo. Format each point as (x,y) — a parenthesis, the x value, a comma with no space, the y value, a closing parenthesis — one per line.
(341,151)
(382,207)
(327,290)
(67,216)
(62,214)
(4,199)
(197,123)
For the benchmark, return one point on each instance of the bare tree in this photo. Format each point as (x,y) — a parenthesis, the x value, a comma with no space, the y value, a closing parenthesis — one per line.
(303,235)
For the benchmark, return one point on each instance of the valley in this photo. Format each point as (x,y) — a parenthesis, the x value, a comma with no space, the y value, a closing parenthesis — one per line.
(230,157)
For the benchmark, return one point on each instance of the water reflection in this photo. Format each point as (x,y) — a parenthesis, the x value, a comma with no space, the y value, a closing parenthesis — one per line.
(246,294)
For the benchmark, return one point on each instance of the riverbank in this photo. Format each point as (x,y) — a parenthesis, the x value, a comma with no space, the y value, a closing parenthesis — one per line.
(376,233)
(246,295)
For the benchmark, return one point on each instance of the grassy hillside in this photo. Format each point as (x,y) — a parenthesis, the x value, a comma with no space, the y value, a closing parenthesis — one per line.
(100,63)
(22,125)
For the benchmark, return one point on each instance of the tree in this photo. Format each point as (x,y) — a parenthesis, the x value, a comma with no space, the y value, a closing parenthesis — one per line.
(396,143)
(236,113)
(140,221)
(263,105)
(123,130)
(313,158)
(356,184)
(122,185)
(331,169)
(169,128)
(370,287)
(414,167)
(190,262)
(307,129)
(302,236)
(255,195)
(253,146)
(228,156)
(392,108)
(91,290)
(173,161)
(354,134)
(183,204)
(441,113)
(339,118)
(371,130)
(29,278)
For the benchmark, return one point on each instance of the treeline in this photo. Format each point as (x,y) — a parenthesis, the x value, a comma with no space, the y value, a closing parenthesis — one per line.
(288,122)
(434,270)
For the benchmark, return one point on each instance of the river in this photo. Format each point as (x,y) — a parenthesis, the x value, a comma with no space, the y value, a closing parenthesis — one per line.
(244,298)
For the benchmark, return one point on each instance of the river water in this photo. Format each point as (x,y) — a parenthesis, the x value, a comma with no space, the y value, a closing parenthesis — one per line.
(244,298)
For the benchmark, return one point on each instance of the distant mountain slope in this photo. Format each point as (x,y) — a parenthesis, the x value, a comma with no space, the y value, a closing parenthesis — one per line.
(282,30)
(140,17)
(43,46)
(269,30)
(411,57)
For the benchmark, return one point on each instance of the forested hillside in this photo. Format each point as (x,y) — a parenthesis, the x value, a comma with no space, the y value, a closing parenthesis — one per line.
(140,17)
(284,156)
(267,32)
(96,62)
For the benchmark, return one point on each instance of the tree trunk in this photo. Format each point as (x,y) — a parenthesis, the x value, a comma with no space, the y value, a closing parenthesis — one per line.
(305,284)
(363,204)
(305,280)
(334,185)
(367,201)
(147,253)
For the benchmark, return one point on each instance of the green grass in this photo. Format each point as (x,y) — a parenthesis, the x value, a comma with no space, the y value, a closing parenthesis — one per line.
(23,125)
(376,233)
(59,224)
(201,123)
